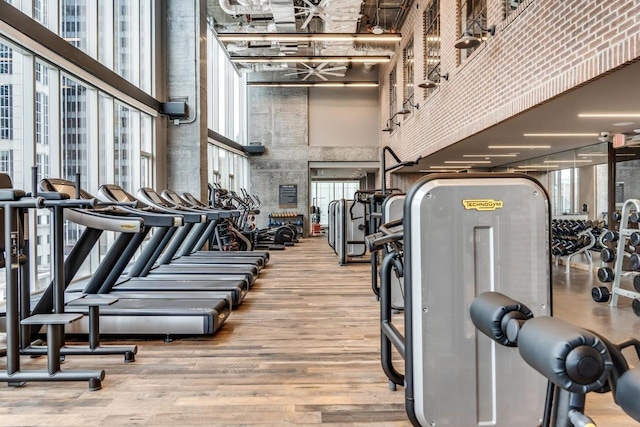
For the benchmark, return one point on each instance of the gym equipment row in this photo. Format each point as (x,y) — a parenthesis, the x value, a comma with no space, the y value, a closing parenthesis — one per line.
(576,361)
(347,230)
(625,256)
(174,286)
(572,238)
(461,236)
(242,231)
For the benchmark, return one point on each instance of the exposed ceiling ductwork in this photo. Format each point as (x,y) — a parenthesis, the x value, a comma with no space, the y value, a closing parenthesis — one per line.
(301,16)
(247,7)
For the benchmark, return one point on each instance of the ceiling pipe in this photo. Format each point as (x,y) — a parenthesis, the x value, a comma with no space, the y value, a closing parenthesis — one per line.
(237,10)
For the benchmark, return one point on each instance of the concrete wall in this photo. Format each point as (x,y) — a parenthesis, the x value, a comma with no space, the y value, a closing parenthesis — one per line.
(343,117)
(629,174)
(185,47)
(279,118)
(540,51)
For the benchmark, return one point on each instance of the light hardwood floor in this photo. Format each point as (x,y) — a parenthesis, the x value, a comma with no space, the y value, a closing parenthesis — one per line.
(302,349)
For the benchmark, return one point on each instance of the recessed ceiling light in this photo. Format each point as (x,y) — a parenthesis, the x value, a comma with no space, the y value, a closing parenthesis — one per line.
(492,155)
(559,134)
(450,167)
(569,161)
(606,115)
(436,170)
(593,155)
(623,124)
(539,166)
(293,37)
(312,84)
(518,147)
(625,155)
(636,130)
(464,162)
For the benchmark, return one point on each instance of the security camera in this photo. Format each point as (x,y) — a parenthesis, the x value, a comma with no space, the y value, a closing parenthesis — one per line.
(604,134)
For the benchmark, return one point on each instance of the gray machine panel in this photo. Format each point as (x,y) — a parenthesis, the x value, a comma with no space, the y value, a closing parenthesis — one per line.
(340,231)
(458,250)
(355,228)
(332,224)
(392,210)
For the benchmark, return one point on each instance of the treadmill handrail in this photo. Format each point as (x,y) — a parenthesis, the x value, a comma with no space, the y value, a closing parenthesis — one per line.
(152,216)
(166,195)
(104,220)
(189,217)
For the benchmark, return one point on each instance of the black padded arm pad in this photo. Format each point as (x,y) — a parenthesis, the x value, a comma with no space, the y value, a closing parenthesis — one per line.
(628,393)
(572,358)
(490,313)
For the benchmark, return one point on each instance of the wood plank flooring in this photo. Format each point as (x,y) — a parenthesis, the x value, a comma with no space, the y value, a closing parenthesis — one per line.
(302,349)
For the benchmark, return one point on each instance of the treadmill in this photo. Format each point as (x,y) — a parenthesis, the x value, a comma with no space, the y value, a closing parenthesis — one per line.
(167,258)
(113,280)
(196,250)
(129,315)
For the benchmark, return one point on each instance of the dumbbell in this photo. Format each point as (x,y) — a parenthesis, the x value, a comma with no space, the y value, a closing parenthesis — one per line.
(636,283)
(607,255)
(634,262)
(634,239)
(634,217)
(635,305)
(610,236)
(605,274)
(600,294)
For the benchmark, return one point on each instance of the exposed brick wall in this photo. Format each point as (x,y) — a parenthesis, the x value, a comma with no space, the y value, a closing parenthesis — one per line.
(540,51)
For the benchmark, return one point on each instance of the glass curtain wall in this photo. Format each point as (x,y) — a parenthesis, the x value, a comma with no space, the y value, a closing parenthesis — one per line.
(61,123)
(324,192)
(118,33)
(228,168)
(227,93)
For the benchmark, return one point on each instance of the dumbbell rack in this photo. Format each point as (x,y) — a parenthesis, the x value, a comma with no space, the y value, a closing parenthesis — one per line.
(624,233)
(586,251)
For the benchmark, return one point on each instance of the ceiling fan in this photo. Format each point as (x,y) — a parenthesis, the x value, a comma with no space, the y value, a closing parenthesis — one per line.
(319,71)
(325,11)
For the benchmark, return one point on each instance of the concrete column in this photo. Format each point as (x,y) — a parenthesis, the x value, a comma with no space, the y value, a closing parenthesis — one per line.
(186,58)
(278,119)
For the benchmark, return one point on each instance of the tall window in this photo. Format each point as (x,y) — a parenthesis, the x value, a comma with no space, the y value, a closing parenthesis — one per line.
(6,112)
(75,144)
(393,97)
(126,122)
(6,59)
(146,150)
(42,118)
(473,17)
(432,43)
(227,94)
(43,165)
(74,19)
(6,162)
(409,60)
(41,11)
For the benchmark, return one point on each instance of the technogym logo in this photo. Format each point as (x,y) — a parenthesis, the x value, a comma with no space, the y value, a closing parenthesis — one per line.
(482,204)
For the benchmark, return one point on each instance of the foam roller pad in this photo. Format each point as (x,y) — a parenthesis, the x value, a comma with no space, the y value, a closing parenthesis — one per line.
(628,393)
(572,358)
(490,311)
